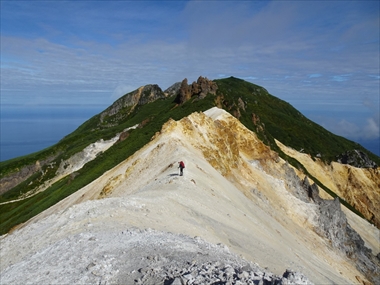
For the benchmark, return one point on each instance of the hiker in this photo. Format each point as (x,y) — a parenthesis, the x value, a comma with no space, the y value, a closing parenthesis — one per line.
(181,166)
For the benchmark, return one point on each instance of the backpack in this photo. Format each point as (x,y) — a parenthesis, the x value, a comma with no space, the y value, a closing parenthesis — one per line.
(181,164)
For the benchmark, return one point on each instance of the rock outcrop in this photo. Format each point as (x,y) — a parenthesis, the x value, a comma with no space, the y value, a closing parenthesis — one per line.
(173,90)
(356,158)
(126,104)
(333,225)
(359,187)
(200,89)
(184,92)
(17,177)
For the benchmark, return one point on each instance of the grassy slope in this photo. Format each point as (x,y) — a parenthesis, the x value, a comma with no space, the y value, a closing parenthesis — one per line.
(277,118)
(284,122)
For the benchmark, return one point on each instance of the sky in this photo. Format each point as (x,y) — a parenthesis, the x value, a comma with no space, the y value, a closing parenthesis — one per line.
(320,56)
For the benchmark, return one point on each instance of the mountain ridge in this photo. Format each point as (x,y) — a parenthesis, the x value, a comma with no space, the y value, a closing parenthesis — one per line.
(236,193)
(252,104)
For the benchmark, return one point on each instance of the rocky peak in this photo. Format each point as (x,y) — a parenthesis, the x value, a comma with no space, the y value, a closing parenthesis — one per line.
(173,90)
(356,158)
(201,88)
(184,92)
(141,96)
(150,93)
(205,86)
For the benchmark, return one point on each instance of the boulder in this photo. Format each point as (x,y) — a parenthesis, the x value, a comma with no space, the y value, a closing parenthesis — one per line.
(356,158)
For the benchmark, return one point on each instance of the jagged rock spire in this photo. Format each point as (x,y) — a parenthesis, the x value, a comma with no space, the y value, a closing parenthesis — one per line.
(201,88)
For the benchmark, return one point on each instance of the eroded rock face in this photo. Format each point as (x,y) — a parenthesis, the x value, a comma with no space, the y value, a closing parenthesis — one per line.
(333,225)
(360,187)
(13,179)
(201,88)
(221,141)
(123,136)
(312,191)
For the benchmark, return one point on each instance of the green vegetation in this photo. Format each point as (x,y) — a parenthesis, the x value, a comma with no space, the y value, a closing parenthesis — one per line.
(259,111)
(282,121)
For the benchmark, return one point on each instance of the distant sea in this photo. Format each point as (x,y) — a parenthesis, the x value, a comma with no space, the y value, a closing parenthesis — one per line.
(28,129)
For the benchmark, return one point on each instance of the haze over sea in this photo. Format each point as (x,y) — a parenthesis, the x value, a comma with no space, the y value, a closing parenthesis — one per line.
(27,129)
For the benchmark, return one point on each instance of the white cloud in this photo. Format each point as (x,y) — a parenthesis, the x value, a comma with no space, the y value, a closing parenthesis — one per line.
(371,130)
(347,129)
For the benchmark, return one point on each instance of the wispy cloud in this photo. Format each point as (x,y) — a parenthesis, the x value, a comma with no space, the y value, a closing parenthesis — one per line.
(341,78)
(370,130)
(297,50)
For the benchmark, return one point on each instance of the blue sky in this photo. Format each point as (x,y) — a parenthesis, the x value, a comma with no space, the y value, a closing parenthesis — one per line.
(320,56)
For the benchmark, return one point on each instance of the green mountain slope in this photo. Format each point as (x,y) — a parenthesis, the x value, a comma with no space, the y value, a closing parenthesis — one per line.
(271,118)
(149,108)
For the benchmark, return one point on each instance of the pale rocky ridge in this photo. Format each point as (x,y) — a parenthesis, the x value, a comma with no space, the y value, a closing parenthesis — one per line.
(236,192)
